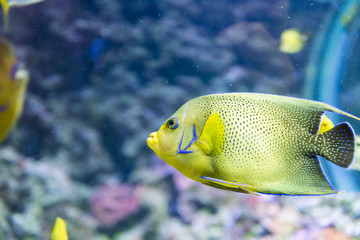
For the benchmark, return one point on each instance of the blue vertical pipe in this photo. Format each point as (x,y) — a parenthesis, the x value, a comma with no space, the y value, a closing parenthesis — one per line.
(327,63)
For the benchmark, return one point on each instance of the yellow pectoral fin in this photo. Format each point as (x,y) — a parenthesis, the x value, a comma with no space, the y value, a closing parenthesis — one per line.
(212,137)
(59,231)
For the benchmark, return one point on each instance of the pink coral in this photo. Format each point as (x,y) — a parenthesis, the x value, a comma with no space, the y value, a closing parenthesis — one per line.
(113,203)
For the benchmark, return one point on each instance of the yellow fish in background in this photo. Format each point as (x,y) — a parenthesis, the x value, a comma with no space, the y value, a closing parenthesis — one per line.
(59,231)
(292,41)
(7,4)
(13,82)
(254,143)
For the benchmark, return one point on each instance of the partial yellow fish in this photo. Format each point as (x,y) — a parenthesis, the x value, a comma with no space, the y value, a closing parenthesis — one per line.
(13,82)
(7,4)
(255,143)
(292,41)
(59,231)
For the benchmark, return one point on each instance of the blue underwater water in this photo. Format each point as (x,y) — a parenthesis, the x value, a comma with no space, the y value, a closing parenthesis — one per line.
(105,74)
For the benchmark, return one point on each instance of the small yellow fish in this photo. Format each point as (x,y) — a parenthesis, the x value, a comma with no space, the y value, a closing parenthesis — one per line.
(13,83)
(7,4)
(292,41)
(59,231)
(254,143)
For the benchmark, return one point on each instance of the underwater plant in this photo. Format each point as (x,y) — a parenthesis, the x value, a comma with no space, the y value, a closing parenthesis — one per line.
(113,203)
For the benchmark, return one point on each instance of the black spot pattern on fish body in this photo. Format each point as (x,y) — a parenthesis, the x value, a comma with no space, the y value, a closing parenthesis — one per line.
(266,142)
(337,145)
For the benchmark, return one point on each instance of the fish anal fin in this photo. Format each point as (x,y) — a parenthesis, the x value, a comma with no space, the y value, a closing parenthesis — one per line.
(211,140)
(308,179)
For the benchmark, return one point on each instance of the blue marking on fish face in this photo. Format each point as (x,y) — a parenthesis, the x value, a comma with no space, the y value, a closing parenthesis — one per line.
(180,151)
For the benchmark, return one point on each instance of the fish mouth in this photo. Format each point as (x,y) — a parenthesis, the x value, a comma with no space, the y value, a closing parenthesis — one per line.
(152,140)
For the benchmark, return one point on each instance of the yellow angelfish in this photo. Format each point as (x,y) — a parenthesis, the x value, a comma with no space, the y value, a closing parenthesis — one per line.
(254,143)
(292,41)
(7,4)
(13,83)
(59,231)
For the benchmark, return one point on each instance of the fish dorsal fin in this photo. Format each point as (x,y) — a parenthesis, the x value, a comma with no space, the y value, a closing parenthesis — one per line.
(306,112)
(212,137)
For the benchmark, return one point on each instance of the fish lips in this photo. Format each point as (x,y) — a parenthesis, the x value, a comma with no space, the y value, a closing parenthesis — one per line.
(152,141)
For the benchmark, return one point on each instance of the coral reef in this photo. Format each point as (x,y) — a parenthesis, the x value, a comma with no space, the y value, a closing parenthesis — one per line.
(113,203)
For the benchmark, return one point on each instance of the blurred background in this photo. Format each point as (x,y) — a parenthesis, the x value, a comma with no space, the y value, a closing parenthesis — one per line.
(106,73)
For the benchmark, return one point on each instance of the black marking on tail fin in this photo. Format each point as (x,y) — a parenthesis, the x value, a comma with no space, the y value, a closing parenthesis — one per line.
(340,145)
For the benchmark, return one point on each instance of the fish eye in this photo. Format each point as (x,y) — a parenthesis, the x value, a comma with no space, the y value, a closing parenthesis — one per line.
(173,123)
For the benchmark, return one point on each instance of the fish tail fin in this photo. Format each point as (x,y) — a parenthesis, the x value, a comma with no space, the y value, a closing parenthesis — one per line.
(339,145)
